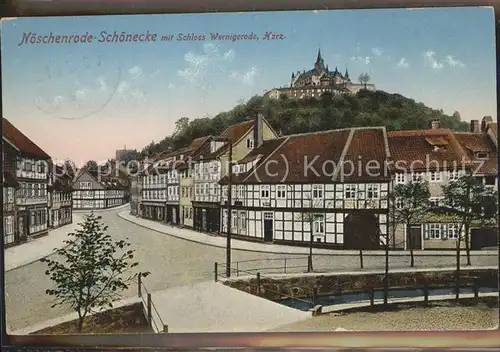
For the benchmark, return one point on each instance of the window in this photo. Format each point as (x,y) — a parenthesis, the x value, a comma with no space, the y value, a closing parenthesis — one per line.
(350,191)
(319,224)
(85,185)
(207,189)
(400,177)
(264,192)
(453,175)
(434,202)
(281,191)
(453,231)
(224,191)
(197,189)
(250,143)
(435,176)
(399,203)
(482,155)
(434,231)
(417,176)
(241,192)
(234,219)
(372,191)
(243,222)
(317,191)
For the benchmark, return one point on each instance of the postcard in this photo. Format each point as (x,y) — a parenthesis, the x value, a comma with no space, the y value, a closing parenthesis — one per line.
(250,172)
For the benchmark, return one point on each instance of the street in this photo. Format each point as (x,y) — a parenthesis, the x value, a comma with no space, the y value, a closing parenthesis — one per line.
(172,262)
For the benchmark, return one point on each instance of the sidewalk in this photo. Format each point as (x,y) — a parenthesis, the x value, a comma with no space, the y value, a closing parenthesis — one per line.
(216,241)
(38,248)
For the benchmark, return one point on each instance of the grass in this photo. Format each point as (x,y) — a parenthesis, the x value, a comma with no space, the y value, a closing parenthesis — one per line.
(124,320)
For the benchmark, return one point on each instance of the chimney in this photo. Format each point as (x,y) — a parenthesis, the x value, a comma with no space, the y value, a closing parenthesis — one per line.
(485,122)
(258,130)
(435,124)
(474,126)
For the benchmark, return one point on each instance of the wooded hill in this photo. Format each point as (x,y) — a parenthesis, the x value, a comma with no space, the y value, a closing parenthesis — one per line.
(290,116)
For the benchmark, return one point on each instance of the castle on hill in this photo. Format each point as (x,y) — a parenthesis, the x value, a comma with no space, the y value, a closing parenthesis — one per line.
(319,80)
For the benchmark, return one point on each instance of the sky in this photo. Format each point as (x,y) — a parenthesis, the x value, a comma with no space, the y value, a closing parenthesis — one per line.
(83,101)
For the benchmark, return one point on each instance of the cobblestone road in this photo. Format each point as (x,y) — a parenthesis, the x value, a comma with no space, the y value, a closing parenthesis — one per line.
(174,262)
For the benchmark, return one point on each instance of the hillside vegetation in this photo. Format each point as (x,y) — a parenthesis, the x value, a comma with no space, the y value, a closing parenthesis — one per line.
(289,116)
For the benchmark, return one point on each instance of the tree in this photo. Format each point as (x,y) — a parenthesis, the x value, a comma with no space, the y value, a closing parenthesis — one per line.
(91,165)
(92,271)
(473,202)
(364,78)
(181,126)
(311,218)
(412,204)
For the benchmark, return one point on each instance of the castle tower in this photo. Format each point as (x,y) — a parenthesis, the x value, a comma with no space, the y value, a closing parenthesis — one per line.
(320,64)
(346,76)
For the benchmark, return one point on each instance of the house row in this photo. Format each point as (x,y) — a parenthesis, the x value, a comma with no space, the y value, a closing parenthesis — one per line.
(37,195)
(330,188)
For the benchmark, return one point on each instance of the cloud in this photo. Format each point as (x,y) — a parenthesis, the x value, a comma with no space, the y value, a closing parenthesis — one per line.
(450,60)
(135,72)
(247,77)
(431,61)
(403,63)
(377,52)
(362,59)
(200,66)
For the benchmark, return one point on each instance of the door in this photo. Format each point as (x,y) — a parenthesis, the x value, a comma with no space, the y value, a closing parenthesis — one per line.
(416,237)
(361,231)
(268,227)
(174,215)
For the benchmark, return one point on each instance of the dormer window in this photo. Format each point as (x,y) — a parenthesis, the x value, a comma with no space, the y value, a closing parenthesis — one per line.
(482,155)
(250,143)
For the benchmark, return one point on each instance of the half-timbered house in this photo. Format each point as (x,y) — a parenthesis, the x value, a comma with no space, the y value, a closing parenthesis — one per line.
(211,164)
(93,190)
(32,173)
(9,185)
(330,184)
(60,197)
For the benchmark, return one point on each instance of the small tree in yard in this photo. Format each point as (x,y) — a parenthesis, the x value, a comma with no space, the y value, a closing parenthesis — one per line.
(92,271)
(412,201)
(473,202)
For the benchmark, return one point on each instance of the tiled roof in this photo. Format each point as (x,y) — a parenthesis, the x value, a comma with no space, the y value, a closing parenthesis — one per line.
(494,128)
(111,183)
(479,142)
(21,141)
(425,149)
(261,153)
(235,132)
(324,157)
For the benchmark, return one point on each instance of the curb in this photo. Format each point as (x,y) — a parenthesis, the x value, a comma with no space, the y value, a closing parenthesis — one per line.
(38,259)
(337,253)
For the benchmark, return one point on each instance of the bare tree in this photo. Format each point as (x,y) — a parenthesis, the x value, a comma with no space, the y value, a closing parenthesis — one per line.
(364,78)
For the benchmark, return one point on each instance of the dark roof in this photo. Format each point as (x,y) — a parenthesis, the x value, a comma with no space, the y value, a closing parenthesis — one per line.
(235,132)
(479,142)
(426,149)
(9,180)
(108,182)
(318,157)
(21,141)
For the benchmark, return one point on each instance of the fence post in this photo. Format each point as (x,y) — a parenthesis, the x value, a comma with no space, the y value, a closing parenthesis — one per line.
(315,295)
(215,271)
(165,328)
(284,267)
(237,269)
(372,297)
(361,258)
(258,284)
(426,294)
(139,284)
(150,316)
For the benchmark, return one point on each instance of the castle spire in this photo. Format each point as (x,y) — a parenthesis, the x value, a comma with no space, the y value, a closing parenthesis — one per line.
(346,74)
(319,56)
(320,64)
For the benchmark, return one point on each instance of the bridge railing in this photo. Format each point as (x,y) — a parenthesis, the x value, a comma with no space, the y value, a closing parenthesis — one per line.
(150,311)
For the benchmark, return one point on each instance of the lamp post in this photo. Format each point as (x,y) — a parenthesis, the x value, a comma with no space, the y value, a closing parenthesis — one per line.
(229,210)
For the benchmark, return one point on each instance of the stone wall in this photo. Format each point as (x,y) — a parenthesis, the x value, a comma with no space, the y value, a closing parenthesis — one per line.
(302,286)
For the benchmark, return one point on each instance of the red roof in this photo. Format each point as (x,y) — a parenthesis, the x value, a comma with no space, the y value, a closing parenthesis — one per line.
(479,142)
(424,149)
(325,157)
(235,132)
(23,143)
